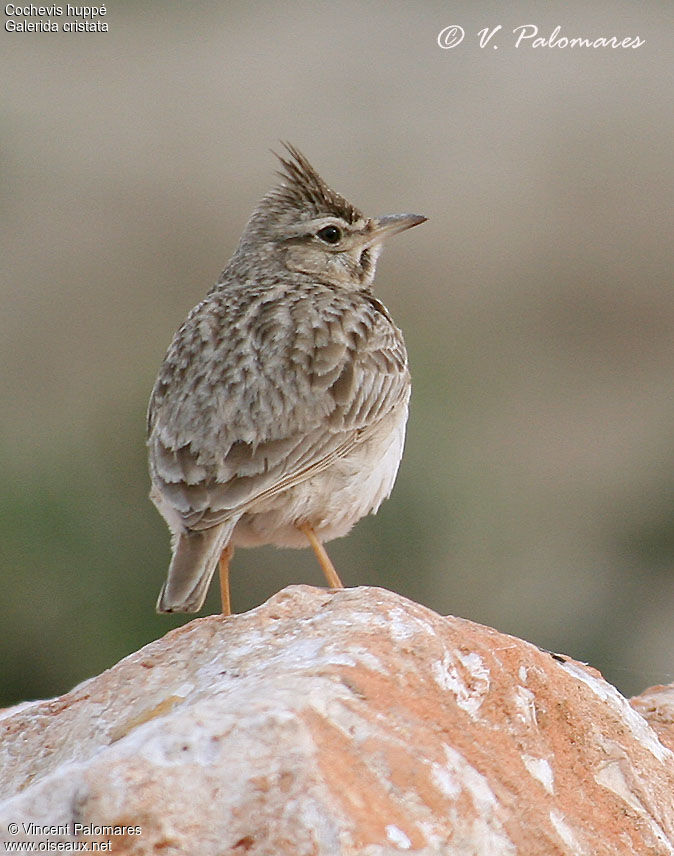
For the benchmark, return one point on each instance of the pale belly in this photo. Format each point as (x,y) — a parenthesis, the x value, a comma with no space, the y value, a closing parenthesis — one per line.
(333,500)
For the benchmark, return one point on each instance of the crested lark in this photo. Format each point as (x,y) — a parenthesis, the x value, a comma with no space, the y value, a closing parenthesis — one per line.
(278,416)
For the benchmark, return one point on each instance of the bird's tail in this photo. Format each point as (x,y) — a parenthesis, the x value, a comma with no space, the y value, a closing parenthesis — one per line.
(195,558)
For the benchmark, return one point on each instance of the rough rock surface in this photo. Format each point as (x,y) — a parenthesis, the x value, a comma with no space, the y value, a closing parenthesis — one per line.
(350,722)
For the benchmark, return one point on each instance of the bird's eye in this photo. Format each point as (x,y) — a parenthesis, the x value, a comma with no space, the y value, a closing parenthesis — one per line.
(330,234)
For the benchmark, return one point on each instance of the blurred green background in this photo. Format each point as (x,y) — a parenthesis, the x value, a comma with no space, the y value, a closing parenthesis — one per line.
(536,492)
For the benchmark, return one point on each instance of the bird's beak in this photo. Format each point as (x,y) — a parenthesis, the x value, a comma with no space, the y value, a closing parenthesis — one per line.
(391,224)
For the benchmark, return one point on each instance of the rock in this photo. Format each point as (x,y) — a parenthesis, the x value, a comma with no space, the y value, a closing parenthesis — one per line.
(656,704)
(349,722)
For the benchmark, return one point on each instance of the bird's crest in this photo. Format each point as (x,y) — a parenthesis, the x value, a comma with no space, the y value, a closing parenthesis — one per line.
(304,189)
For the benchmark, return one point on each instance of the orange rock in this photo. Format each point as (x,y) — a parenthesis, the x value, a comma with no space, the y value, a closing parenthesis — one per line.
(349,722)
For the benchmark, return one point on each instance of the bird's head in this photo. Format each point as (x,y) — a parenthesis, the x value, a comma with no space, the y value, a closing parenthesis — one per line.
(306,227)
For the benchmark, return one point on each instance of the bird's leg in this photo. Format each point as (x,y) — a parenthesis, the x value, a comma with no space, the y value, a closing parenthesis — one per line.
(323,559)
(223,564)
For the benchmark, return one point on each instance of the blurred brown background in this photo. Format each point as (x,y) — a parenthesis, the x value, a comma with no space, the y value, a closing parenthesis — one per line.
(536,490)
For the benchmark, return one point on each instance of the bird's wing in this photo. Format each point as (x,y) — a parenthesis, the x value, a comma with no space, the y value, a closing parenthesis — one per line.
(252,401)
